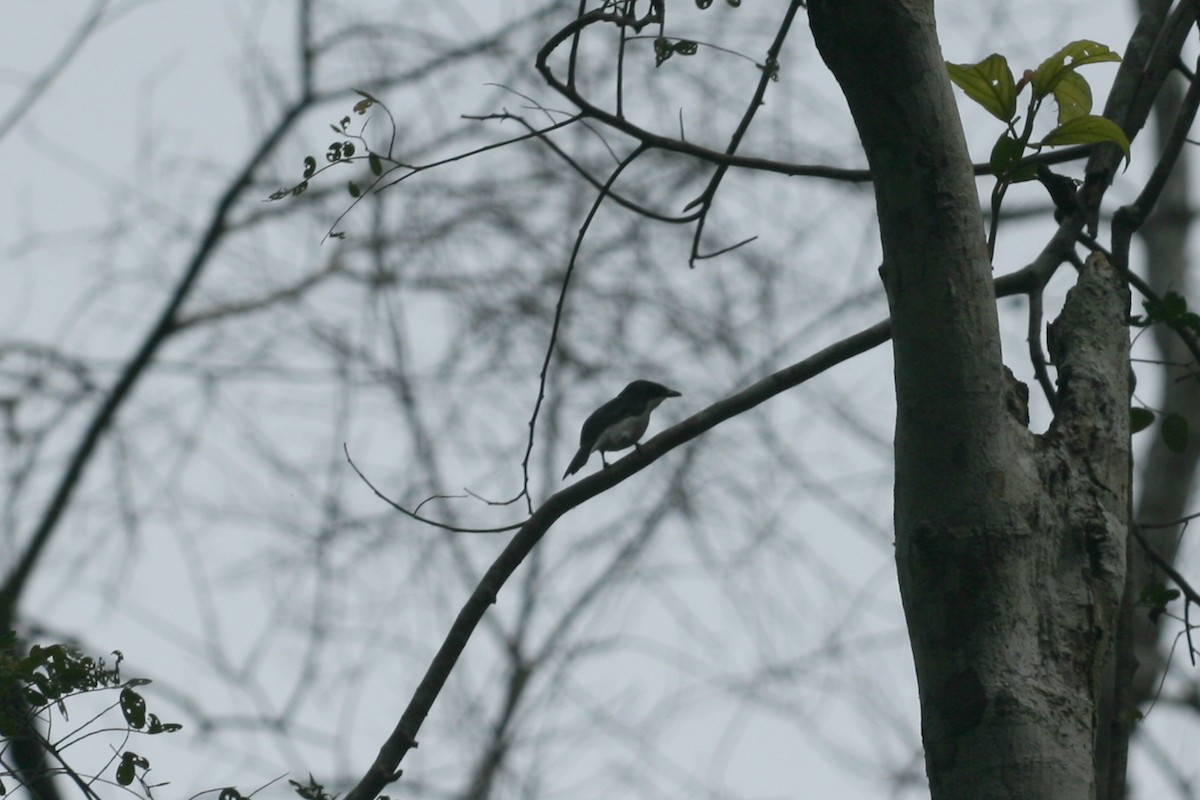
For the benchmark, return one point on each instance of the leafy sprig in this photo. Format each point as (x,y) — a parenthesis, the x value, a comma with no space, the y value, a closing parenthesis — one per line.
(991,84)
(351,147)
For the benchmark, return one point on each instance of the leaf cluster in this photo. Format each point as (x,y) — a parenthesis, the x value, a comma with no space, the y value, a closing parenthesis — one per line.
(1171,310)
(345,151)
(991,84)
(49,676)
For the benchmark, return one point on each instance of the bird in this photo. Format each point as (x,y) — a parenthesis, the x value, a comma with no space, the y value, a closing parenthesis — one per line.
(619,423)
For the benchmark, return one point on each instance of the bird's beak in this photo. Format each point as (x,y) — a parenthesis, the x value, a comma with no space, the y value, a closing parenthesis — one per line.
(673,393)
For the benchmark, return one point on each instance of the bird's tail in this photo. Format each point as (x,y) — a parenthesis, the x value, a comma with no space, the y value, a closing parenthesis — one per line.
(577,462)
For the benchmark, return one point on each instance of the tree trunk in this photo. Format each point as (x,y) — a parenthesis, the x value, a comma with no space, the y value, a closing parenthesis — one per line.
(1010,547)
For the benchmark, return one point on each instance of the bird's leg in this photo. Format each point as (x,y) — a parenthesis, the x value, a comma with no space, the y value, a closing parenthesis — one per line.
(603,460)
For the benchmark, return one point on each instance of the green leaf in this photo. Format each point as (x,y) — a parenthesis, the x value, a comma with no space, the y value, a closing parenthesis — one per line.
(154,725)
(686,47)
(310,166)
(662,50)
(1140,419)
(1172,307)
(47,686)
(1006,155)
(1073,96)
(376,164)
(133,706)
(1024,172)
(1086,130)
(125,770)
(1155,595)
(1075,55)
(989,83)
(355,191)
(1175,432)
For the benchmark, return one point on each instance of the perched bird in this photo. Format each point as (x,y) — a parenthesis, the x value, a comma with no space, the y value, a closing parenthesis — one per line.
(619,423)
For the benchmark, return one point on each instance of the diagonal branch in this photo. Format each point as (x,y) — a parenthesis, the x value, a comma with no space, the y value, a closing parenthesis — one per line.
(385,768)
(162,330)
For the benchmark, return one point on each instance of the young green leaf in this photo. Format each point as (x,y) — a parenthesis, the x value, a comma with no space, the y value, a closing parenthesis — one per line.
(1170,308)
(376,164)
(989,83)
(1023,172)
(1086,130)
(133,706)
(355,191)
(1140,419)
(1006,154)
(1175,432)
(129,762)
(1073,96)
(1076,54)
(125,772)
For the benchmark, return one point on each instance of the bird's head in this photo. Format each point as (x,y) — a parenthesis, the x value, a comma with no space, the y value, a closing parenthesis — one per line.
(647,393)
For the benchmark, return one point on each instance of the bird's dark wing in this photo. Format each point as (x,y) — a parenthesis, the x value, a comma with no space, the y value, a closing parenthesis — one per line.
(601,418)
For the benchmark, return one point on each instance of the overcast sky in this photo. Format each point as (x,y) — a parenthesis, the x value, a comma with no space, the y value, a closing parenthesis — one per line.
(102,178)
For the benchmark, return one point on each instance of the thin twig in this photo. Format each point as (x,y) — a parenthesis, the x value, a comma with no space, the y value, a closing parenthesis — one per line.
(413,515)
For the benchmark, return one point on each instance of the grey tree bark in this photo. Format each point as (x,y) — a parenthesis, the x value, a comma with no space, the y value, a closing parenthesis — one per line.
(1010,547)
